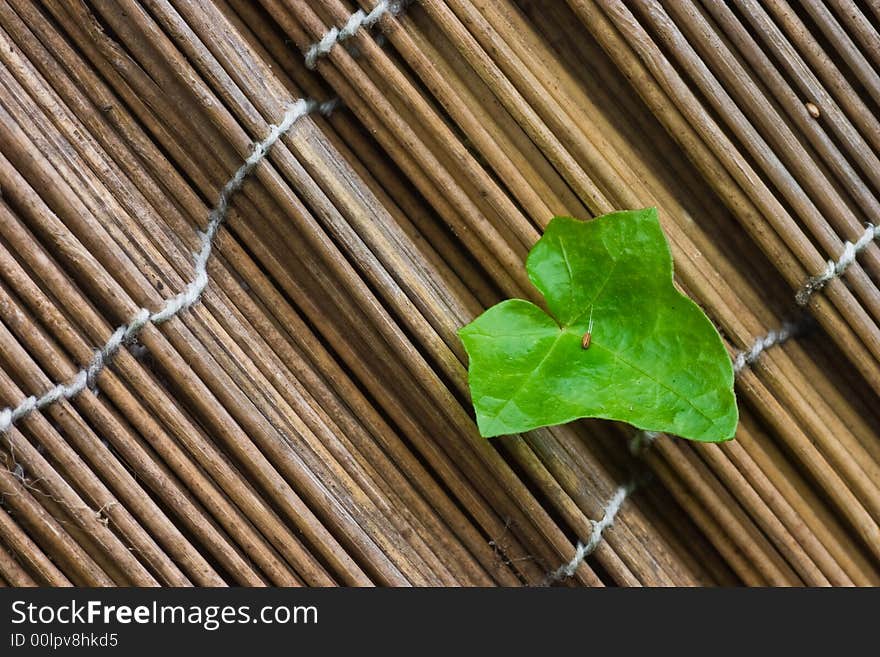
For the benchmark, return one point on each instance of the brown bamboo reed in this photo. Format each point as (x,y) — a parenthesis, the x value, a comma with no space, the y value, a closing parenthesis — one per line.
(809,66)
(12,572)
(715,260)
(347,394)
(125,483)
(50,535)
(772,566)
(29,553)
(792,103)
(176,284)
(156,347)
(134,452)
(107,507)
(864,33)
(855,61)
(763,200)
(25,454)
(802,165)
(84,540)
(20,282)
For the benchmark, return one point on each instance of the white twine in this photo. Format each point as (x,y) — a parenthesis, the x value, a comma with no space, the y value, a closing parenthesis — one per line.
(642,441)
(835,269)
(126,334)
(583,550)
(774,337)
(355,22)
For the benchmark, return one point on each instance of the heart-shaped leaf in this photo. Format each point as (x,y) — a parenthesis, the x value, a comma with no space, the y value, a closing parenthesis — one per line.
(653,359)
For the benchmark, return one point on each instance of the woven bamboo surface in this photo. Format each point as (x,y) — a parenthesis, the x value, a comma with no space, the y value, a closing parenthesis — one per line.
(306,421)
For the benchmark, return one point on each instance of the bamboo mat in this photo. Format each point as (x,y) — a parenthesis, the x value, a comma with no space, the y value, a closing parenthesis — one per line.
(299,415)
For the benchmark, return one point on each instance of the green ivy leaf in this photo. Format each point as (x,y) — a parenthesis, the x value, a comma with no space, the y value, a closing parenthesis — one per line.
(654,359)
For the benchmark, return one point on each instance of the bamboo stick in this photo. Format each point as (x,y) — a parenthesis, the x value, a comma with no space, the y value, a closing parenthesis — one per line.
(12,571)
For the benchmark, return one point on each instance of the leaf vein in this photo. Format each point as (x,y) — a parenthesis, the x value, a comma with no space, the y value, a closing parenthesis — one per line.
(602,287)
(657,381)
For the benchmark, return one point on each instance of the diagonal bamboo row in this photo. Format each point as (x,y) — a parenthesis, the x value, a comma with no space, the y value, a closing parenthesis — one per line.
(308,421)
